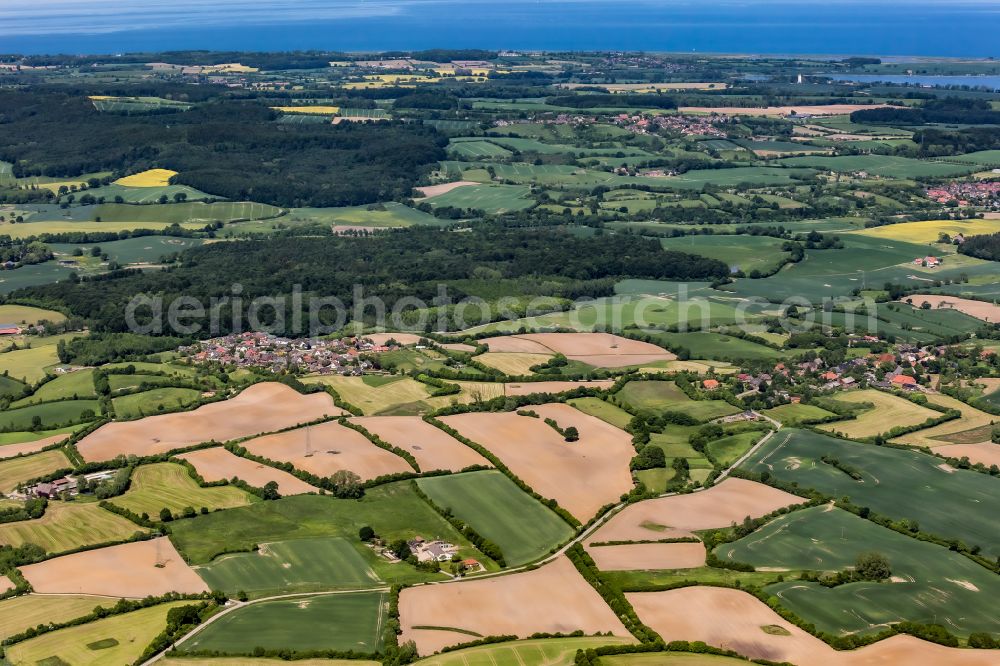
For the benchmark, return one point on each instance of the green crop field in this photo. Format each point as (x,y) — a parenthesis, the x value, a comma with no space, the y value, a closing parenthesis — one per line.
(658,396)
(147,195)
(746,253)
(476,149)
(51,414)
(954,504)
(729,449)
(717,346)
(792,414)
(170,486)
(298,565)
(390,214)
(342,622)
(524,528)
(934,586)
(987,158)
(129,105)
(603,410)
(487,198)
(154,401)
(141,250)
(886,166)
(119,639)
(67,526)
(393,510)
(536,652)
(26,314)
(26,611)
(188,212)
(79,384)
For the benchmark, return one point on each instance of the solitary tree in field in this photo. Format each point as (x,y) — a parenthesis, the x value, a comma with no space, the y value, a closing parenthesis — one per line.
(873,566)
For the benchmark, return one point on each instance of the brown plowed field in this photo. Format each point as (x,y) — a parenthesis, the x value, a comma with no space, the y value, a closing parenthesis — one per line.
(260,408)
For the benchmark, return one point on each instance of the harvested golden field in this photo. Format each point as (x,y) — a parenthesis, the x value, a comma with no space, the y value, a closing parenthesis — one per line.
(428,191)
(986,453)
(889,412)
(527,388)
(681,515)
(433,448)
(513,363)
(263,407)
(313,110)
(132,570)
(401,338)
(12,450)
(326,448)
(952,432)
(552,598)
(67,526)
(216,464)
(602,350)
(735,620)
(17,470)
(581,476)
(821,110)
(150,178)
(631,557)
(31,610)
(978,309)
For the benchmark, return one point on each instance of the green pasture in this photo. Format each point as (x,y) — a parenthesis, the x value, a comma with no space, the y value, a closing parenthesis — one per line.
(154,401)
(170,486)
(520,525)
(746,253)
(603,410)
(340,622)
(187,212)
(717,346)
(664,396)
(933,584)
(897,483)
(72,385)
(492,198)
(49,414)
(297,565)
(886,166)
(393,510)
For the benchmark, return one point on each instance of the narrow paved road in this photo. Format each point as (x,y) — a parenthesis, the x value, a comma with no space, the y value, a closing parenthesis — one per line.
(236,605)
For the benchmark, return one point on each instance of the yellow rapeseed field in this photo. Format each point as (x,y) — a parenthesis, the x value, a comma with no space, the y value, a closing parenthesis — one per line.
(318,110)
(150,178)
(927,231)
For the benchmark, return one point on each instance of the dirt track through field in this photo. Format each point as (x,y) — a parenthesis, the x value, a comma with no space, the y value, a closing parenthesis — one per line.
(582,476)
(218,464)
(326,448)
(552,598)
(130,571)
(433,448)
(260,408)
(634,557)
(680,515)
(734,620)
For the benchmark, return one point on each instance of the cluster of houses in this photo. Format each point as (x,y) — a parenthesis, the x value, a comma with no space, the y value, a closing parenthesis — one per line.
(262,350)
(685,125)
(67,486)
(976,193)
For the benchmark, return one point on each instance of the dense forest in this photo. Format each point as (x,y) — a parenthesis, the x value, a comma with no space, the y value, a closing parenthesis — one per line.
(986,246)
(230,148)
(950,110)
(391,266)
